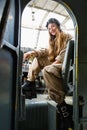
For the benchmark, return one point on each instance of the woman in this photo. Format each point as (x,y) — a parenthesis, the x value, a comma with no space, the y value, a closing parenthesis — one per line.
(50,62)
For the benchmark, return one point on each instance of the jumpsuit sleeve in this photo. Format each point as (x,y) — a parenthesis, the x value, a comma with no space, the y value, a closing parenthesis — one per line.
(60,57)
(42,52)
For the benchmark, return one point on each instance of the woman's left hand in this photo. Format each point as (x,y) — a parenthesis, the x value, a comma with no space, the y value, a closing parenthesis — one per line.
(56,62)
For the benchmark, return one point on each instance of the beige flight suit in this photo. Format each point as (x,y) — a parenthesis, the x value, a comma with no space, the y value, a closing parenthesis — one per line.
(51,73)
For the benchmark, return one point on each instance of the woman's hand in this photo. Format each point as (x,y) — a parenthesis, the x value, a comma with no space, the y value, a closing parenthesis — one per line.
(29,54)
(56,62)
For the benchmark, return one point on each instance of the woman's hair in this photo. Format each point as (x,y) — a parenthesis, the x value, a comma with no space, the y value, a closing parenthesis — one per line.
(58,42)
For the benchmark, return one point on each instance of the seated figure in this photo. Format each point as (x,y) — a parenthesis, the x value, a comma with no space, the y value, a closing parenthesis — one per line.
(50,62)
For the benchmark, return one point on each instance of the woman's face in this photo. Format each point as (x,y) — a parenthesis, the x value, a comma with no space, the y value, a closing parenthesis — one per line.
(53,29)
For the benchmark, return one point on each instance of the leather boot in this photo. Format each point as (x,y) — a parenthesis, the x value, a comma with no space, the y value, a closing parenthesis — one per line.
(29,89)
(66,112)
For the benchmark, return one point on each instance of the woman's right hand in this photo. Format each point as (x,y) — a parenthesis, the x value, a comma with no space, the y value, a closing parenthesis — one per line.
(28,55)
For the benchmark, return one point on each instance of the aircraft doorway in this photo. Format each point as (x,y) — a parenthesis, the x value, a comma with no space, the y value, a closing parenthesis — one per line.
(34,35)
